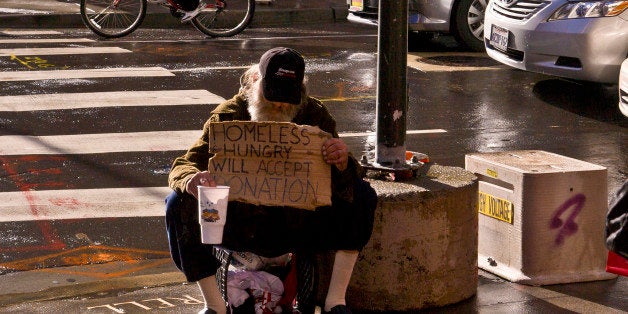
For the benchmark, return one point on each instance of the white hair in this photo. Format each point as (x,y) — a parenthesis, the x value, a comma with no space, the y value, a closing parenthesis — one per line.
(260,108)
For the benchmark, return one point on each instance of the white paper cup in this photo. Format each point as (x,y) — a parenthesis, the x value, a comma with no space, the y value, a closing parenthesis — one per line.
(212,209)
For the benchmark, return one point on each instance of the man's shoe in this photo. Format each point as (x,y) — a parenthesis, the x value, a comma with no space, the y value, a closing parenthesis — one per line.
(339,309)
(188,16)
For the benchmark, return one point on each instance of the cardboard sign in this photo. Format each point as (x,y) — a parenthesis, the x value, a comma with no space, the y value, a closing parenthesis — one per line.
(271,163)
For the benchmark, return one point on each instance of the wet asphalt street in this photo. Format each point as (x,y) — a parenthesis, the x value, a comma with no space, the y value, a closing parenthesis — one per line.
(480,105)
(460,102)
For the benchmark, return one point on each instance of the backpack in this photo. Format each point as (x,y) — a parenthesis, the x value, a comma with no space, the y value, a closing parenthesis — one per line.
(617,223)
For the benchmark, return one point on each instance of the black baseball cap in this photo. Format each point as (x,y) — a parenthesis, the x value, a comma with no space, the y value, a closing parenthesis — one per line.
(282,72)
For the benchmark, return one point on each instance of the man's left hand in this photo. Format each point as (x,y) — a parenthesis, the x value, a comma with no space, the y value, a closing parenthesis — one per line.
(335,152)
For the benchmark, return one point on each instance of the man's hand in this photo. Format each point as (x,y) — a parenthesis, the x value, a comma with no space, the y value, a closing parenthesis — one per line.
(335,152)
(200,178)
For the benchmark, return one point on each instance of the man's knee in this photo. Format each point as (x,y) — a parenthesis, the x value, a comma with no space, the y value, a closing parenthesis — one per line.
(364,193)
(179,206)
(172,204)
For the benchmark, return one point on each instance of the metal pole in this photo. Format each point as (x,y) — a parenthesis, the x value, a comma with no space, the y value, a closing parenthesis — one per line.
(392,90)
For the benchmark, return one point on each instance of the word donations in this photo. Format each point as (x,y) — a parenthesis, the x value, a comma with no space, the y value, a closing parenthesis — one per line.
(271,163)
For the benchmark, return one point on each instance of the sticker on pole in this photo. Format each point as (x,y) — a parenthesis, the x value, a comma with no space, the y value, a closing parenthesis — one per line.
(271,163)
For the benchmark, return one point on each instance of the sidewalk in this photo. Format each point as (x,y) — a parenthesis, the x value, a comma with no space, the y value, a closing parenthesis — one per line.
(65,13)
(64,287)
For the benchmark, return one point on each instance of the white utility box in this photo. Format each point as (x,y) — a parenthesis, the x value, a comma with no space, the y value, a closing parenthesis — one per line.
(542,217)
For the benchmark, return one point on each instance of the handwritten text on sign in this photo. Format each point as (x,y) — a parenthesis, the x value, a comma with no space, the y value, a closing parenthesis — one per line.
(271,163)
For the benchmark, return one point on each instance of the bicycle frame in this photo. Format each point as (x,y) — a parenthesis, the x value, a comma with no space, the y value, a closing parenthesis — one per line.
(220,5)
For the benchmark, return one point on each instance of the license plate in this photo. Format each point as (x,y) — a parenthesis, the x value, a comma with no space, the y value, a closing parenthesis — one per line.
(357,5)
(495,207)
(499,38)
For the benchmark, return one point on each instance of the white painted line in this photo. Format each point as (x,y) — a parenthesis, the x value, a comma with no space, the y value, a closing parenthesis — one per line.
(116,142)
(107,99)
(29,32)
(78,74)
(98,143)
(343,36)
(44,40)
(564,301)
(362,134)
(83,203)
(60,51)
(203,69)
(22,11)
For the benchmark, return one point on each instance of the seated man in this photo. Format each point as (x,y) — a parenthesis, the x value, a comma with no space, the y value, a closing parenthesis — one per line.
(273,90)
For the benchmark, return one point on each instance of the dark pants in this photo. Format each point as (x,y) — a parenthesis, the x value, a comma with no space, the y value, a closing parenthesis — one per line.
(269,231)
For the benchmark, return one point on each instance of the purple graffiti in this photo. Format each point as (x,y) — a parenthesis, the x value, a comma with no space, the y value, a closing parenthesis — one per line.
(569,226)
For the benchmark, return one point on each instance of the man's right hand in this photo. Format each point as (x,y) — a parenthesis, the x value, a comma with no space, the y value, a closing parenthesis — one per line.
(200,178)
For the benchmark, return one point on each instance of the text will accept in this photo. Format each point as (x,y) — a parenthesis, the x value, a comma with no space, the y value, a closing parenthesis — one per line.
(271,163)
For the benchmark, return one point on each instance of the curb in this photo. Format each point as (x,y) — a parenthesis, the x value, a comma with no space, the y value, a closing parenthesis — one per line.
(86,288)
(262,18)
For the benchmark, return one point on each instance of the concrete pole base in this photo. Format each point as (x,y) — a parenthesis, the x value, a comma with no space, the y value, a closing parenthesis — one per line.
(424,247)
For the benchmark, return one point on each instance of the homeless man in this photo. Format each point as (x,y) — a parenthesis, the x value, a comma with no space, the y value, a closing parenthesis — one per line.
(273,90)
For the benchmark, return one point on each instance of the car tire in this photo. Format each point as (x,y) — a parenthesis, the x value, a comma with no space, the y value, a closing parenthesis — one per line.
(468,23)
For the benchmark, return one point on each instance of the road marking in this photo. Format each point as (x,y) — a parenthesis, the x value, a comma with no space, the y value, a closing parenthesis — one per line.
(107,99)
(204,69)
(97,143)
(83,203)
(44,40)
(77,74)
(565,301)
(60,51)
(363,134)
(116,142)
(343,36)
(29,32)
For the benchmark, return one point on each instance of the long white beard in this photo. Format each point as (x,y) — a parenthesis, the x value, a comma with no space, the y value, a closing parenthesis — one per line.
(261,109)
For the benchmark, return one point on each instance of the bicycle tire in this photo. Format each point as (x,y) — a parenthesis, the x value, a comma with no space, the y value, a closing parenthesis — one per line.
(228,21)
(113,18)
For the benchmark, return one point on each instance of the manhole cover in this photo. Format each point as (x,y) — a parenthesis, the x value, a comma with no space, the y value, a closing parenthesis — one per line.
(460,61)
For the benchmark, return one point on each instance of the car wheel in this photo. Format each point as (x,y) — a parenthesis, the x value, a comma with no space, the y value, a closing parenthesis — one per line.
(468,23)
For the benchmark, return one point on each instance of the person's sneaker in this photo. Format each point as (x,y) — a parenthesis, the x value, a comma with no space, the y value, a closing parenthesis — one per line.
(339,309)
(188,16)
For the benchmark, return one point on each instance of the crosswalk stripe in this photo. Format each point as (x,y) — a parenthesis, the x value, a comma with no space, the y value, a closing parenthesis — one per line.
(82,203)
(89,73)
(29,32)
(109,142)
(363,134)
(60,51)
(44,40)
(107,99)
(97,143)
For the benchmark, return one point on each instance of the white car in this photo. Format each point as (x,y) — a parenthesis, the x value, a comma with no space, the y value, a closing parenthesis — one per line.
(462,18)
(583,40)
(623,88)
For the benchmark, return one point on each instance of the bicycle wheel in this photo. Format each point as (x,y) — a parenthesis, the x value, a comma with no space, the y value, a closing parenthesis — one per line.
(113,18)
(224,18)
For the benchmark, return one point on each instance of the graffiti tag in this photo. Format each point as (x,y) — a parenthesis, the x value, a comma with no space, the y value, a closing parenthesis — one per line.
(569,226)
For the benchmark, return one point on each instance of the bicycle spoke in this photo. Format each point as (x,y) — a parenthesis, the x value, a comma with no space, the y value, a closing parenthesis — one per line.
(113,18)
(225,18)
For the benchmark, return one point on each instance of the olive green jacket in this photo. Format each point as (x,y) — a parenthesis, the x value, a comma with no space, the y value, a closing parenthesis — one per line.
(313,113)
